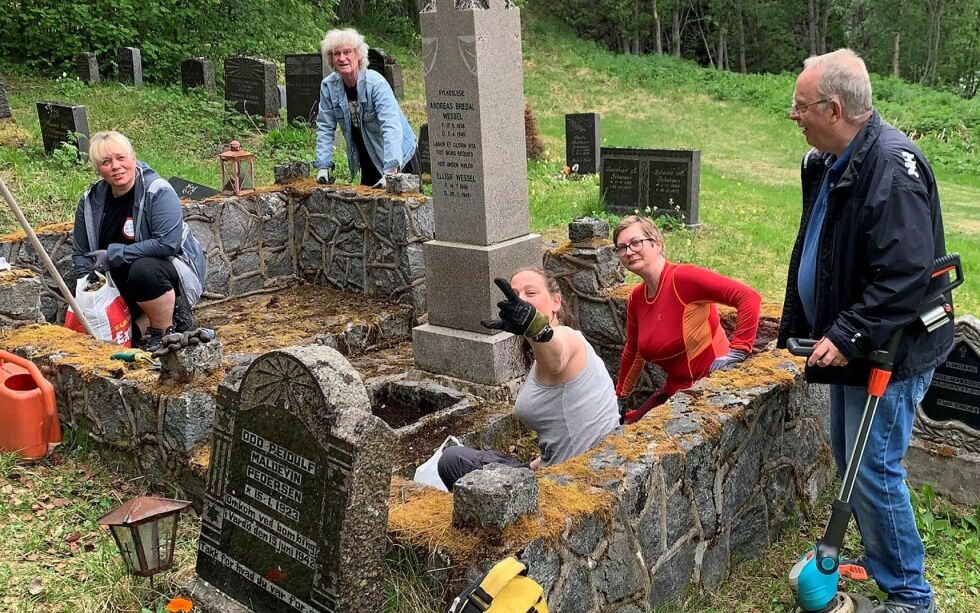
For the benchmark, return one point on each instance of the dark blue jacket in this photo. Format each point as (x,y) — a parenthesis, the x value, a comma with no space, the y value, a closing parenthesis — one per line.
(160,231)
(881,233)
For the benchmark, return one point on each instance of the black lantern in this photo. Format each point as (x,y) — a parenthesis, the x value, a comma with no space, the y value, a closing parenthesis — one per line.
(237,170)
(145,530)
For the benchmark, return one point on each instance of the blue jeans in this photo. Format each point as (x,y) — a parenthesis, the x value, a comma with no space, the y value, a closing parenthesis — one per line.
(880,499)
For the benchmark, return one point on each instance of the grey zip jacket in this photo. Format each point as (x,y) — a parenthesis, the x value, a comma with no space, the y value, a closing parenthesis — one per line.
(160,231)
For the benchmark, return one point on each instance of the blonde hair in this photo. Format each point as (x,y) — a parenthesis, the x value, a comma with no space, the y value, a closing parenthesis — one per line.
(100,145)
(649,228)
(347,36)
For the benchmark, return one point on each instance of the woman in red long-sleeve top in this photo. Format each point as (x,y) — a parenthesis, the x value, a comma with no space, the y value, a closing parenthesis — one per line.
(671,318)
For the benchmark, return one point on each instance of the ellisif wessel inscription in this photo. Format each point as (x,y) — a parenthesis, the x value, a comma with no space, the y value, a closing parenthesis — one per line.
(282,504)
(453,148)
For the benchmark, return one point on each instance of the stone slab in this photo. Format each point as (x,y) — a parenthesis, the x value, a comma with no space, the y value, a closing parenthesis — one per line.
(490,360)
(197,72)
(130,61)
(494,497)
(666,181)
(582,142)
(87,68)
(460,291)
(251,85)
(950,471)
(4,103)
(58,121)
(304,72)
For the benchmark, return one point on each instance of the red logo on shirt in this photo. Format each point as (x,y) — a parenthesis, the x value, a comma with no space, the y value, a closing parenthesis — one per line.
(129,231)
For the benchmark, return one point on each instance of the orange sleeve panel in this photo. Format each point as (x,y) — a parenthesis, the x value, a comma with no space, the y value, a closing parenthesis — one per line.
(631,363)
(695,284)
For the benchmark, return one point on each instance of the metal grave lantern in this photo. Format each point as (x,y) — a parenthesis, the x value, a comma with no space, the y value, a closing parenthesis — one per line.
(145,529)
(237,170)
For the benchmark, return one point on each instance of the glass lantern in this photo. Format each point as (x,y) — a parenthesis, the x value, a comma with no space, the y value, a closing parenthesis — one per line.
(145,530)
(237,170)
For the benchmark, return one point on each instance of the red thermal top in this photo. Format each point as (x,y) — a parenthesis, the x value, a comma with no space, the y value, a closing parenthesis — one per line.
(678,329)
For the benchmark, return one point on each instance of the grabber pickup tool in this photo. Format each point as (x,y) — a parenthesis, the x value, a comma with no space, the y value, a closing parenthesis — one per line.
(815,577)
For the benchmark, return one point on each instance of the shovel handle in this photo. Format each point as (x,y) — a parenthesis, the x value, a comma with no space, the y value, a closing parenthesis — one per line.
(802,347)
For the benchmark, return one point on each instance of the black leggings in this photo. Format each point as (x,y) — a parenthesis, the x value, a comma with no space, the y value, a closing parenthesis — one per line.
(457,462)
(370,175)
(144,280)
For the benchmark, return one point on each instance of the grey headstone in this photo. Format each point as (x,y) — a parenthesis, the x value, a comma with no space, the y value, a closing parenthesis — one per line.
(425,159)
(4,104)
(58,121)
(383,62)
(304,72)
(494,497)
(955,390)
(587,228)
(130,61)
(479,181)
(197,72)
(290,171)
(251,84)
(582,142)
(87,68)
(665,181)
(295,509)
(479,187)
(190,190)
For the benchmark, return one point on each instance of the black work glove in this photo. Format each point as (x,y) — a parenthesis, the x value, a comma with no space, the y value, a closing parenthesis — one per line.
(101,257)
(324,176)
(180,340)
(729,360)
(519,317)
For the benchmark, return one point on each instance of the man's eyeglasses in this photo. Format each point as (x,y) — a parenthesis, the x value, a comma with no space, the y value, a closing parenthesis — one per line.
(341,52)
(634,245)
(799,109)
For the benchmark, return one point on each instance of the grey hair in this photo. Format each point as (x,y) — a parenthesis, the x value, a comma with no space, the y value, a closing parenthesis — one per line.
(844,78)
(346,36)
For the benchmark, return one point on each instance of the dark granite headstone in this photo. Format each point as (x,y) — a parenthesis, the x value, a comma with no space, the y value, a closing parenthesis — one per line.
(665,181)
(251,84)
(190,190)
(304,72)
(955,389)
(425,159)
(87,67)
(4,104)
(381,61)
(295,507)
(130,62)
(60,120)
(197,72)
(582,142)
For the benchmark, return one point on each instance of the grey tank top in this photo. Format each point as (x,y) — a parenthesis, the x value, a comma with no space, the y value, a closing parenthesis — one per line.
(569,417)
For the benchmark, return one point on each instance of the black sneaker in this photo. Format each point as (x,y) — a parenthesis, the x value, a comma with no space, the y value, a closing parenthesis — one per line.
(153,339)
(184,319)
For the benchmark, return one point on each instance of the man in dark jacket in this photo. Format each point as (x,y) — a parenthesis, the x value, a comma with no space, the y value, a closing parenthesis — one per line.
(862,264)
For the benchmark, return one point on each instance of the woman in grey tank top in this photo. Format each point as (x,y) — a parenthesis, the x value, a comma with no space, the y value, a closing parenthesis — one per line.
(568,398)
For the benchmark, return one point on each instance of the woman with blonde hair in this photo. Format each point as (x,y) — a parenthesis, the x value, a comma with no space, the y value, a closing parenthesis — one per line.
(130,224)
(671,317)
(567,398)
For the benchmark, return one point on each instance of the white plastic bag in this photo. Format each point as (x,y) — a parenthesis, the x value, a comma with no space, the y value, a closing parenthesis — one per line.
(104,308)
(428,471)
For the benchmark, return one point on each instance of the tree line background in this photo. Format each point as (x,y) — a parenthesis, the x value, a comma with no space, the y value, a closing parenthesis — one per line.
(931,42)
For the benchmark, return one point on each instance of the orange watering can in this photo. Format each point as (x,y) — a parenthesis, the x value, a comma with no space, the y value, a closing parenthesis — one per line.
(28,415)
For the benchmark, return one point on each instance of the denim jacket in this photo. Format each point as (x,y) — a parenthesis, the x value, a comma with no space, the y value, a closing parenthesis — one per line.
(388,137)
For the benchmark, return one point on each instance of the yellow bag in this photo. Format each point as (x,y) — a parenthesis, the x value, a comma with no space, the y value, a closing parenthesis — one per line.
(505,588)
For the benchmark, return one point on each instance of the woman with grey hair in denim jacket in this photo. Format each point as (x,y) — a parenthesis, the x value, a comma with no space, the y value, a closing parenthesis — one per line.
(379,139)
